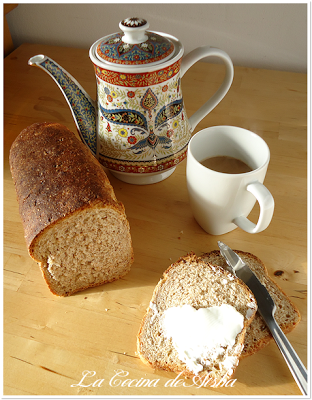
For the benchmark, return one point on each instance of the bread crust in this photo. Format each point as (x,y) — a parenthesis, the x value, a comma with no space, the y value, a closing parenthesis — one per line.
(55,175)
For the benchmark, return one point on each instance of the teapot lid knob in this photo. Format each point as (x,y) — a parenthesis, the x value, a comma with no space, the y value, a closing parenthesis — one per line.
(134,30)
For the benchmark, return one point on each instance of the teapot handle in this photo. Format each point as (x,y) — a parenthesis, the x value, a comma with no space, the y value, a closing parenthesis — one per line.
(196,55)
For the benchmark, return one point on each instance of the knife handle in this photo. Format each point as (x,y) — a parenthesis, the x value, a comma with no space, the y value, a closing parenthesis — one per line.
(293,361)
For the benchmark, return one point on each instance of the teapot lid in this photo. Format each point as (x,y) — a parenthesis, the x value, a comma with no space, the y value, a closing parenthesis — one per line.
(135,45)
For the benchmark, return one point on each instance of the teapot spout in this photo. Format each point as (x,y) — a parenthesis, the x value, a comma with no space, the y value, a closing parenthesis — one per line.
(82,106)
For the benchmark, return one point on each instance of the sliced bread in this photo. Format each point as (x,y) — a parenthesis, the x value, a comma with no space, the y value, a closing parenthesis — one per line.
(74,226)
(286,315)
(193,284)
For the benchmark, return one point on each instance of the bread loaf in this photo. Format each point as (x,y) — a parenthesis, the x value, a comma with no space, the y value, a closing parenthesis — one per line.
(286,315)
(190,281)
(74,226)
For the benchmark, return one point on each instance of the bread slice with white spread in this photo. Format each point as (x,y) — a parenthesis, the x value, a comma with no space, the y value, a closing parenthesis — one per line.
(286,315)
(74,226)
(196,322)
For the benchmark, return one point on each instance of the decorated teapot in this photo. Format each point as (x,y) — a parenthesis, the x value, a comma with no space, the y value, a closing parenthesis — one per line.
(137,127)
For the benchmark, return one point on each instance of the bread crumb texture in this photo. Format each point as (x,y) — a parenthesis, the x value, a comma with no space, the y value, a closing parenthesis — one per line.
(85,250)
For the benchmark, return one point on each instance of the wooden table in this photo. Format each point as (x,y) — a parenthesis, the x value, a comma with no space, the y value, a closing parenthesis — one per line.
(50,341)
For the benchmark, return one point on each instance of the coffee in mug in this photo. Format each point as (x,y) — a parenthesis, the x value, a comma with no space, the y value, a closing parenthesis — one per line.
(221,197)
(226,164)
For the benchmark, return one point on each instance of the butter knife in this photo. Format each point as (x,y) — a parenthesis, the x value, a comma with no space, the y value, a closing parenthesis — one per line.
(266,308)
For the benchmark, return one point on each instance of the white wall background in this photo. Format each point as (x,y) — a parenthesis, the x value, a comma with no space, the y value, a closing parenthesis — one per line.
(262,35)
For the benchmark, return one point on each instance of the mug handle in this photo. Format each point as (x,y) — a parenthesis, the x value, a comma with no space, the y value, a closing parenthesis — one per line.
(196,55)
(266,202)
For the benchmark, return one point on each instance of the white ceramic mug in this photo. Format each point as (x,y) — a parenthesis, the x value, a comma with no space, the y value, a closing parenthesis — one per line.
(220,201)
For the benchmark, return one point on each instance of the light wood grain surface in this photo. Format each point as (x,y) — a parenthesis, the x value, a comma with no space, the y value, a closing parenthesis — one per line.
(50,341)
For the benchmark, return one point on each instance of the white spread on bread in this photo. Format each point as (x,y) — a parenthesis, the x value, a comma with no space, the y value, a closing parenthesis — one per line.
(154,309)
(53,267)
(252,306)
(206,333)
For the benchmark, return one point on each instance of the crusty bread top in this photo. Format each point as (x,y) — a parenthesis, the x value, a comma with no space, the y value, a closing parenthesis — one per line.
(55,175)
(286,315)
(191,281)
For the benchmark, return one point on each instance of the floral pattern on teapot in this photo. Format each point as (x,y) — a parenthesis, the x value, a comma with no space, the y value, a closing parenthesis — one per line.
(81,106)
(138,79)
(114,50)
(142,129)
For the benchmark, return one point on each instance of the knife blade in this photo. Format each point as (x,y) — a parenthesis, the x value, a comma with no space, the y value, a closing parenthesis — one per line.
(266,308)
